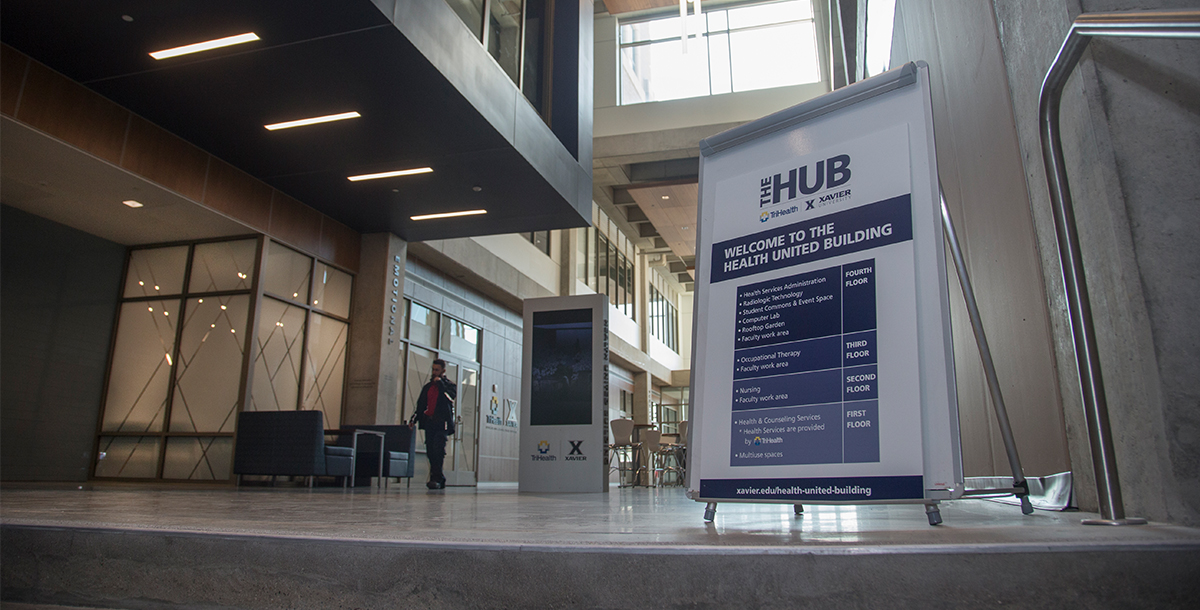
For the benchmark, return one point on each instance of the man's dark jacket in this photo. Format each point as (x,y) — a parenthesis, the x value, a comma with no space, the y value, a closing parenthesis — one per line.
(443,413)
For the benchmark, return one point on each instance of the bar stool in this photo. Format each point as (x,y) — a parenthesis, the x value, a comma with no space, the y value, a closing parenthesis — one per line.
(650,449)
(622,440)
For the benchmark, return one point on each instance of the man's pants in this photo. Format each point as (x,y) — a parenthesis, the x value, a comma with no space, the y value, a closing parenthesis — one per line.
(435,450)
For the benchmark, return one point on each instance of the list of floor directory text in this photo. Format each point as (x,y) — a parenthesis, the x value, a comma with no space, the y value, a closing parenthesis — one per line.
(805,379)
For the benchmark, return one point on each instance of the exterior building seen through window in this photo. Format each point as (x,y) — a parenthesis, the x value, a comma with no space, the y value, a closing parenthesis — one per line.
(728,49)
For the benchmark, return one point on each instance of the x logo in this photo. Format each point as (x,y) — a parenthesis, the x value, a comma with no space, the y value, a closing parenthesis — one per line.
(575,450)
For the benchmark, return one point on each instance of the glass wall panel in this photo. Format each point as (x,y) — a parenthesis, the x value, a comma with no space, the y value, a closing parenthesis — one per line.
(286,273)
(468,408)
(198,459)
(534,65)
(331,290)
(221,266)
(460,339)
(504,36)
(417,373)
(422,325)
(141,365)
(134,457)
(326,368)
(155,272)
(757,54)
(210,364)
(471,13)
(277,358)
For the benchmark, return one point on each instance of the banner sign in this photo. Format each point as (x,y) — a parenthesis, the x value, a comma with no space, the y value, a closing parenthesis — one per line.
(822,368)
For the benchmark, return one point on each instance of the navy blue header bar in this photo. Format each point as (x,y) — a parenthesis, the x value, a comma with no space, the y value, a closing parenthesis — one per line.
(863,228)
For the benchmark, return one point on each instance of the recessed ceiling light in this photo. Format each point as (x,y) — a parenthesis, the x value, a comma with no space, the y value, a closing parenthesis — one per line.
(448,214)
(329,118)
(401,172)
(666,196)
(131,203)
(207,45)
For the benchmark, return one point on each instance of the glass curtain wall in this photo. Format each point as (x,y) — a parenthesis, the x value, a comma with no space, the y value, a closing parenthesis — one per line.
(178,362)
(611,271)
(183,355)
(729,49)
(428,334)
(300,350)
(663,315)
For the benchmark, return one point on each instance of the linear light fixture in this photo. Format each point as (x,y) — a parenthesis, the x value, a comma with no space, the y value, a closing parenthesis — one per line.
(401,172)
(207,45)
(329,118)
(131,203)
(448,214)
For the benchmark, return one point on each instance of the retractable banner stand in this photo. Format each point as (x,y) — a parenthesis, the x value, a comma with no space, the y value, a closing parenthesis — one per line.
(822,365)
(564,395)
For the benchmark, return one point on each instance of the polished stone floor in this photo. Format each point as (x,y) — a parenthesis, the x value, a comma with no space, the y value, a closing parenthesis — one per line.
(496,515)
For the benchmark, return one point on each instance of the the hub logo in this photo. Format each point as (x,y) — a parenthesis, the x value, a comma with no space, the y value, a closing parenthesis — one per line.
(806,180)
(576,453)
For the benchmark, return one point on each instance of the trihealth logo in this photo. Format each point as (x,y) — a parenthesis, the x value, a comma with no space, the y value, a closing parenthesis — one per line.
(765,216)
(543,448)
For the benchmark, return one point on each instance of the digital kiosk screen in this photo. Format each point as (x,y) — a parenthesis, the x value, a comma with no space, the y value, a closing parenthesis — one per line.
(562,368)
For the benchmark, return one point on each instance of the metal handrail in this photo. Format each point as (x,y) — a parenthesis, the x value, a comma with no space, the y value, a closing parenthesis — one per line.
(1142,24)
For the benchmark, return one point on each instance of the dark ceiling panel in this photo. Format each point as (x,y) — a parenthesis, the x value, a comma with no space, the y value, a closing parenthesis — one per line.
(315,58)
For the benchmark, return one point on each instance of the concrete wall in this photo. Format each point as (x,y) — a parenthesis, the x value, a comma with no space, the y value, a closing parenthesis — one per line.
(59,301)
(1131,140)
(979,161)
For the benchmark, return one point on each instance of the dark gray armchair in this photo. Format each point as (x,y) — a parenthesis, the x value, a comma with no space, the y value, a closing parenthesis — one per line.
(288,443)
(400,443)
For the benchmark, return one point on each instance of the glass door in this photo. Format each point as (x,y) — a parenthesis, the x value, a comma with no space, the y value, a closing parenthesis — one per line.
(460,461)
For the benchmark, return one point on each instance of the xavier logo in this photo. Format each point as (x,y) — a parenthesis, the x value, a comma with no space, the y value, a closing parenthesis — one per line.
(576,454)
(543,447)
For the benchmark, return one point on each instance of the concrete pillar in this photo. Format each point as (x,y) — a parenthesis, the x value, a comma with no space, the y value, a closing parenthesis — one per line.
(373,388)
(641,398)
(642,299)
(568,260)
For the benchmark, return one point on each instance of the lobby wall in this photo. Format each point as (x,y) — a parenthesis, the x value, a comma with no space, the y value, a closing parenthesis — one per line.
(980,166)
(1131,142)
(59,296)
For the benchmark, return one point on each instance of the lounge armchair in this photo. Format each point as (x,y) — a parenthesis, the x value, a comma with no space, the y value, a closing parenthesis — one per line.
(288,443)
(400,443)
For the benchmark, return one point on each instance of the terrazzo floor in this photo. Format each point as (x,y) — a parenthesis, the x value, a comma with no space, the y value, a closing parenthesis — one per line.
(496,515)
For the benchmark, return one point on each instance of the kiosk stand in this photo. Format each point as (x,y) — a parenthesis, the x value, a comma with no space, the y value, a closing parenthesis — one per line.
(823,364)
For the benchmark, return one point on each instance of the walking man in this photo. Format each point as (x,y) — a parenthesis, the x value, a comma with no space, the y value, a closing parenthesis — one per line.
(435,415)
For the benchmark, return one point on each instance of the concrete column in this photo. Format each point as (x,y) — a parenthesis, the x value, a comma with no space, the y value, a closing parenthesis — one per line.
(641,398)
(373,388)
(568,259)
(642,299)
